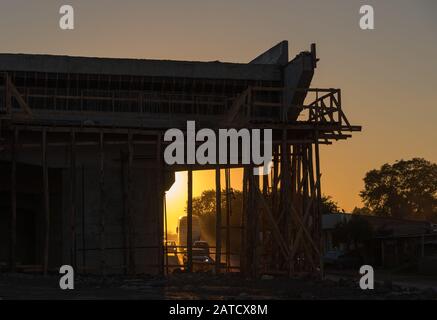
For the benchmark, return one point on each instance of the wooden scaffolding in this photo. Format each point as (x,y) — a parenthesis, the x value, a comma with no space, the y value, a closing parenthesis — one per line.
(281,224)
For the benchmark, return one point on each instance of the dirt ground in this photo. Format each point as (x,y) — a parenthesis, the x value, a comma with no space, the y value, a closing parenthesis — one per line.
(200,286)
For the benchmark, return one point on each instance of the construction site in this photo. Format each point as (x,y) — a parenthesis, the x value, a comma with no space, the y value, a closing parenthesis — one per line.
(84,180)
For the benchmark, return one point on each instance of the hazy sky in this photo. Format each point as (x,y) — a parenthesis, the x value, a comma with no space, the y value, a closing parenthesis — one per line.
(388,76)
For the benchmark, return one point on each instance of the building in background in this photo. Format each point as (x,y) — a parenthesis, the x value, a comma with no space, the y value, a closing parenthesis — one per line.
(393,243)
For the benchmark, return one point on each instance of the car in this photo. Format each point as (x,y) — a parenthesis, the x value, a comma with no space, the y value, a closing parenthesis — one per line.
(171,247)
(201,258)
(332,256)
(201,245)
(342,260)
(351,259)
(201,262)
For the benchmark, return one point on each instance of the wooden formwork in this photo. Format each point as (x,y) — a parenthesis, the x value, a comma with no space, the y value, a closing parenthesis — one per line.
(282,229)
(281,220)
(19,139)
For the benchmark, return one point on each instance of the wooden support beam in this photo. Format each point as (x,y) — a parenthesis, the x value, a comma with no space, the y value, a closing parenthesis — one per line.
(275,177)
(13,239)
(319,200)
(19,98)
(83,188)
(102,200)
(125,227)
(305,230)
(190,222)
(166,236)
(276,231)
(130,218)
(218,222)
(8,94)
(304,184)
(73,206)
(250,227)
(94,130)
(283,218)
(254,227)
(237,106)
(160,210)
(304,211)
(422,246)
(228,218)
(382,253)
(244,223)
(83,144)
(46,201)
(265,184)
(313,209)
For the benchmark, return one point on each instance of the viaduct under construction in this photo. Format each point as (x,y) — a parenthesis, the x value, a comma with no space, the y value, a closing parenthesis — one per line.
(83,178)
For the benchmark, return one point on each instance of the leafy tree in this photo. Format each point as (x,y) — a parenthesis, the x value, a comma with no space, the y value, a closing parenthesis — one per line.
(204,207)
(405,189)
(329,206)
(362,211)
(205,204)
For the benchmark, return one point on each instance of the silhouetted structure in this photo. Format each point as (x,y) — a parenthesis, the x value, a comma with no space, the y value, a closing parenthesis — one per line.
(83,177)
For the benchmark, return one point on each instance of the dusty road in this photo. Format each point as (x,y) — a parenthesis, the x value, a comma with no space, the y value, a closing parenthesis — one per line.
(198,286)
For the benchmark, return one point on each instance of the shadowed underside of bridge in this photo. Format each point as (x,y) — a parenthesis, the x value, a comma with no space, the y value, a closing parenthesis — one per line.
(83,174)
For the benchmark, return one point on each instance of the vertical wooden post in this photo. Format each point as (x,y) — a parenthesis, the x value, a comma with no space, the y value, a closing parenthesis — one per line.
(190,222)
(218,222)
(265,190)
(382,253)
(305,201)
(284,175)
(252,226)
(46,202)
(285,214)
(294,198)
(84,250)
(166,236)
(318,175)
(228,218)
(244,231)
(160,210)
(102,204)
(73,199)
(250,243)
(12,262)
(265,185)
(8,95)
(131,226)
(319,201)
(315,227)
(422,246)
(275,179)
(125,212)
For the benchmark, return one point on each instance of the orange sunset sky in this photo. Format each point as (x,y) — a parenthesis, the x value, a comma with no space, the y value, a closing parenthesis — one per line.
(388,76)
